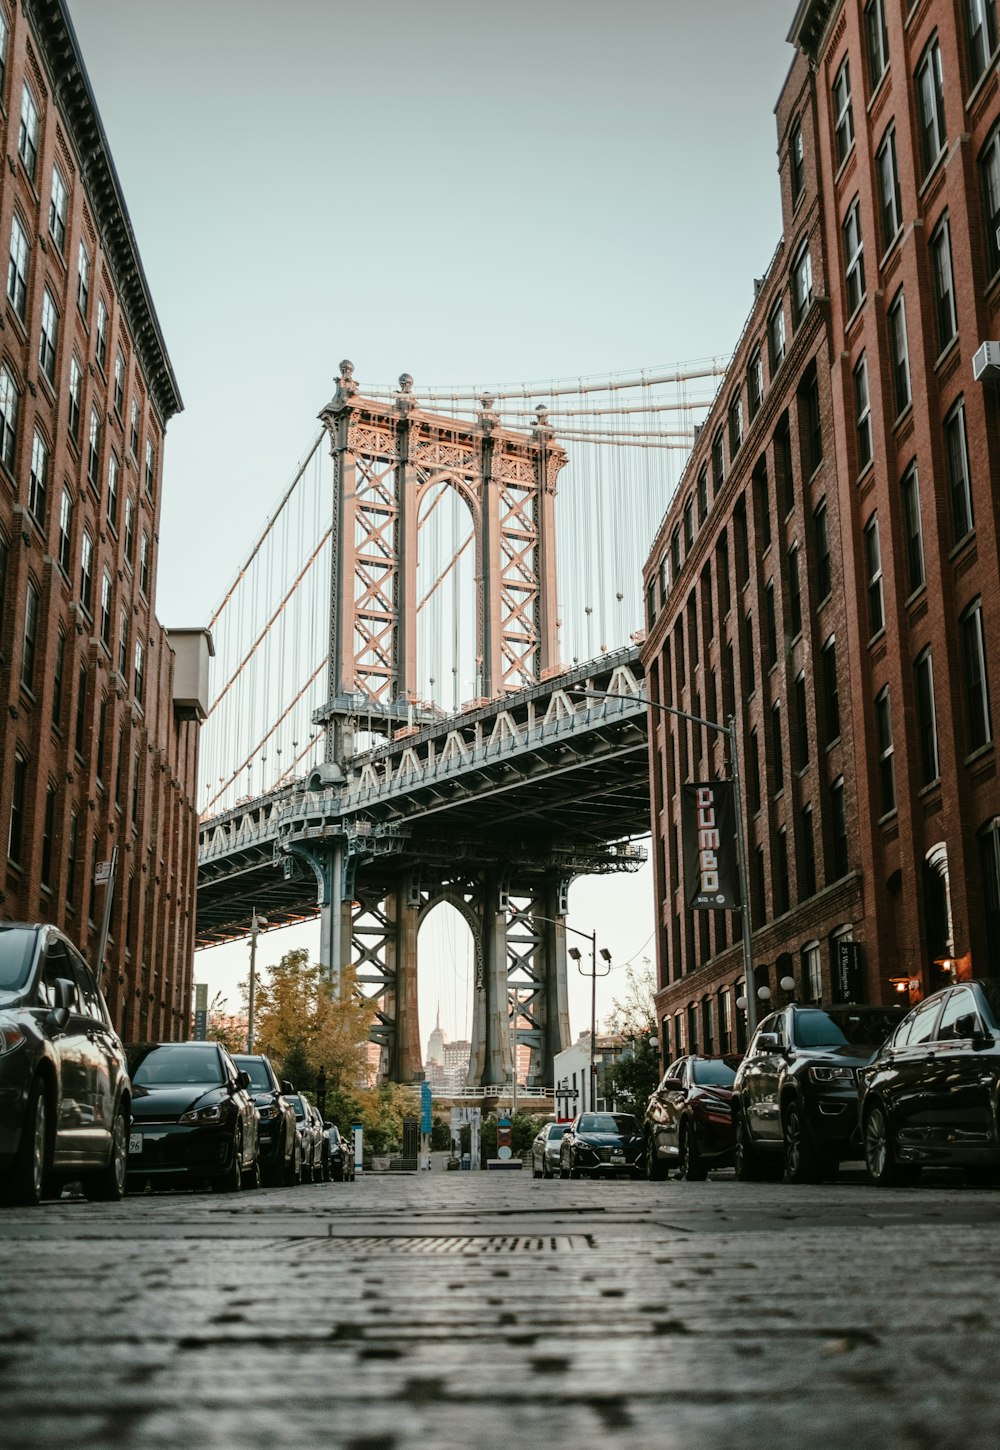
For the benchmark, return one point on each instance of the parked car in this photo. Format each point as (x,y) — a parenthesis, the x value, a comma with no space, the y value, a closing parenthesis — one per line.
(310,1131)
(795,1095)
(341,1155)
(931,1095)
(545,1150)
(601,1143)
(688,1122)
(193,1117)
(322,1174)
(280,1153)
(65,1096)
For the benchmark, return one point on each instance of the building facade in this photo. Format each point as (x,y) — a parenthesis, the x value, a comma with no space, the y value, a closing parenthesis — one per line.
(828,571)
(99,737)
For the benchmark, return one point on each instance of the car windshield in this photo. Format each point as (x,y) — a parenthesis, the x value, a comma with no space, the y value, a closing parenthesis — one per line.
(713,1074)
(256,1070)
(17,952)
(843,1027)
(608,1123)
(296,1103)
(160,1064)
(557,1130)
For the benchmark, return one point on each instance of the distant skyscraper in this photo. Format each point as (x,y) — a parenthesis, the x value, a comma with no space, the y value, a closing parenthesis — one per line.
(436,1041)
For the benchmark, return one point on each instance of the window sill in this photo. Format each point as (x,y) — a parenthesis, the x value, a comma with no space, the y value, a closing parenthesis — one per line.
(928,790)
(903,416)
(841,169)
(863,475)
(945,354)
(888,817)
(877,93)
(877,637)
(832,744)
(989,74)
(965,543)
(933,173)
(916,596)
(891,246)
(979,753)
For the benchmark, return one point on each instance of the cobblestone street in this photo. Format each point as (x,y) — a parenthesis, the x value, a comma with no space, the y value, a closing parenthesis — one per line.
(489,1309)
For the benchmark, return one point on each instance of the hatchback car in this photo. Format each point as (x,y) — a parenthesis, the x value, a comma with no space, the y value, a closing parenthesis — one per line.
(65,1096)
(545,1150)
(280,1154)
(795,1095)
(688,1122)
(193,1117)
(931,1095)
(601,1144)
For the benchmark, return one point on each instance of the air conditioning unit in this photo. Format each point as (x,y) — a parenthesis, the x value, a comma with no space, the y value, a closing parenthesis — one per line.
(986,363)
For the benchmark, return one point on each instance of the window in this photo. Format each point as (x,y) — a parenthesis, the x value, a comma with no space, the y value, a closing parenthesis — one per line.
(810,421)
(48,830)
(913,533)
(702,496)
(130,531)
(776,334)
(8,419)
(675,552)
(140,665)
(688,521)
(944,285)
(796,162)
(923,670)
(742,543)
(81,711)
(4,564)
(4,34)
(102,335)
(15,833)
(135,790)
(800,741)
(144,564)
(889,195)
(900,353)
(107,592)
(48,337)
(930,106)
(782,893)
(65,530)
(843,115)
(87,572)
(735,424)
(779,758)
(877,41)
(718,462)
(989,171)
(27,134)
(38,478)
(863,413)
(959,483)
(755,383)
(119,382)
(762,504)
(831,691)
(722,574)
(123,632)
(73,405)
(29,640)
(133,441)
(113,474)
(749,663)
(854,258)
(151,468)
(802,283)
(57,209)
(794,592)
(838,830)
(102,741)
(83,280)
(94,449)
(753,773)
(71,853)
(17,269)
(812,972)
(886,762)
(824,562)
(770,625)
(873,560)
(981,21)
(977,700)
(58,676)
(707,612)
(760,887)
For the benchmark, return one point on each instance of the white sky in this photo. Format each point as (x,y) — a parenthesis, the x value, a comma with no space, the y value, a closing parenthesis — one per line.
(453,189)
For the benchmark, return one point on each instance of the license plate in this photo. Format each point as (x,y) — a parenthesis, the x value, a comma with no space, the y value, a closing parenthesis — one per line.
(135,1143)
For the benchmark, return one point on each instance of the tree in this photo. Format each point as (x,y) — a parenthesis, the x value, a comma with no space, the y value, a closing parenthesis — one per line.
(633,1018)
(228,1028)
(524,1129)
(302,1027)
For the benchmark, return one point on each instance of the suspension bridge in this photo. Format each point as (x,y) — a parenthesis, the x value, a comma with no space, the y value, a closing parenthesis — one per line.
(398,717)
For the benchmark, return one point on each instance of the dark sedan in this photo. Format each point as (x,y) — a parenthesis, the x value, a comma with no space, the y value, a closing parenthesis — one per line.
(193,1118)
(280,1160)
(931,1096)
(601,1144)
(310,1134)
(64,1086)
(688,1122)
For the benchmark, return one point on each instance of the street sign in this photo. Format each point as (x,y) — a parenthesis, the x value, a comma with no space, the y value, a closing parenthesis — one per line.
(426,1121)
(102,873)
(505,1151)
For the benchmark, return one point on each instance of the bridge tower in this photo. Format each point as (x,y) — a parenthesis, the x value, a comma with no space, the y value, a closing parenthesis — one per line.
(387,455)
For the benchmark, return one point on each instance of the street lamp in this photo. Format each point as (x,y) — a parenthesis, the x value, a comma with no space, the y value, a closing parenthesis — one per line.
(256,922)
(728,731)
(593,974)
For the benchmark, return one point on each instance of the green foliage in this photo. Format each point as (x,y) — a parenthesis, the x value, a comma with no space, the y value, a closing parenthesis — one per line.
(634,1077)
(524,1129)
(302,1027)
(440,1135)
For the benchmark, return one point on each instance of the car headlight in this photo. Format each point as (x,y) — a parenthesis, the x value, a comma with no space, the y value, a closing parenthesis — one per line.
(212,1114)
(11,1035)
(266,1114)
(832,1074)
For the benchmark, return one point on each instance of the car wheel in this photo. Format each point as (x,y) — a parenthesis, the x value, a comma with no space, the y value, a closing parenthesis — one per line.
(802,1164)
(880,1158)
(546,1170)
(692,1167)
(535,1172)
(251,1175)
(232,1180)
(26,1179)
(656,1169)
(563,1172)
(108,1185)
(746,1157)
(982,1175)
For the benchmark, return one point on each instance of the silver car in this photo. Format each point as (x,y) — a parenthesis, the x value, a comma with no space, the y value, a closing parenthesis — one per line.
(545,1150)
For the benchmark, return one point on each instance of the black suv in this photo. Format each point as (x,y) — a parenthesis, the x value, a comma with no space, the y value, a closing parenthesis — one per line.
(279,1140)
(795,1098)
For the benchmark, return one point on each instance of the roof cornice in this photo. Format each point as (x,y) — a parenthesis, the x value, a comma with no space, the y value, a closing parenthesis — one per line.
(75,97)
(810,24)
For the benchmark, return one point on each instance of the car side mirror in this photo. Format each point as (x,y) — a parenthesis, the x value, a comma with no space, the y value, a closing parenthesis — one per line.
(671,1085)
(286,1086)
(327,1125)
(969,1025)
(243,1078)
(767,1042)
(64,992)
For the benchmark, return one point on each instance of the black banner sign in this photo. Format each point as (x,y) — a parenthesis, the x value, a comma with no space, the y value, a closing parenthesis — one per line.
(711,871)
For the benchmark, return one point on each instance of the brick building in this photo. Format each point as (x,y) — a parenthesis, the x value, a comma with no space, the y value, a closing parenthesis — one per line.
(829,570)
(99,734)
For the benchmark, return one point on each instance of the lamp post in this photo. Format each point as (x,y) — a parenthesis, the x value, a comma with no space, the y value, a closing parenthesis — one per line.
(256,922)
(728,731)
(593,974)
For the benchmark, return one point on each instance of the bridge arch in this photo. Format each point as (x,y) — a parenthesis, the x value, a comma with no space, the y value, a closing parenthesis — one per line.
(449,563)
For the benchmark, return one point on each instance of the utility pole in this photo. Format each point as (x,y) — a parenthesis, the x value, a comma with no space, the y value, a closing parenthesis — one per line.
(256,922)
(593,974)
